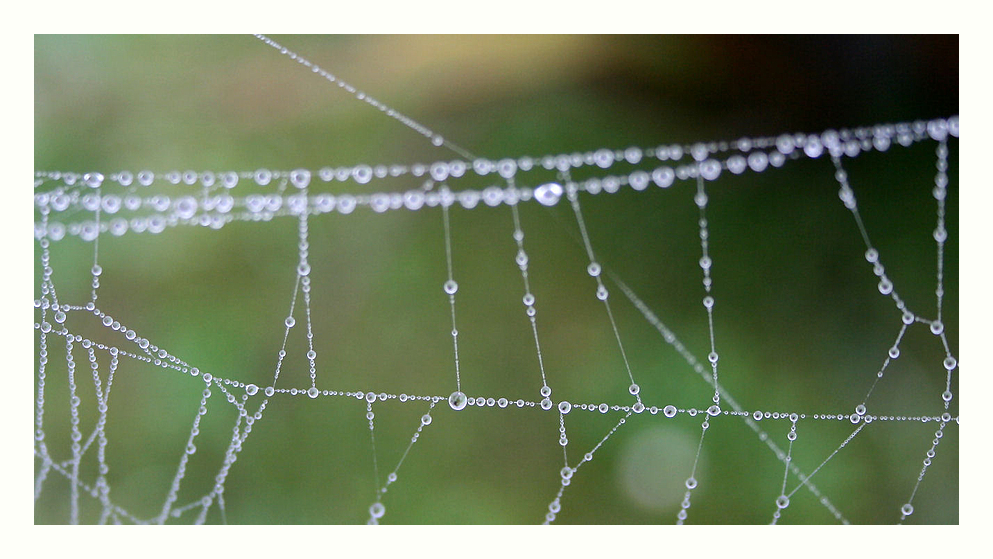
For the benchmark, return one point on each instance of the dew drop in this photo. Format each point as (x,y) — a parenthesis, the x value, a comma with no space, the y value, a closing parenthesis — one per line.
(950,362)
(312,392)
(426,419)
(269,391)
(502,402)
(669,411)
(894,352)
(791,435)
(690,482)
(548,194)
(907,509)
(714,410)
(377,510)
(457,400)
(860,409)
(885,286)
(546,404)
(601,293)
(290,321)
(593,269)
(251,389)
(946,396)
(634,389)
(782,501)
(937,327)
(565,407)
(451,287)
(638,407)
(602,408)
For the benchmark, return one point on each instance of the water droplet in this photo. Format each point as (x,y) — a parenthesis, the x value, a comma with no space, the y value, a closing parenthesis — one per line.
(451,287)
(950,362)
(303,269)
(60,317)
(782,501)
(269,391)
(548,194)
(566,472)
(712,357)
(634,389)
(791,435)
(601,293)
(708,302)
(710,169)
(565,407)
(663,176)
(714,410)
(907,509)
(593,269)
(907,318)
(603,408)
(937,327)
(377,510)
(669,411)
(860,409)
(757,415)
(885,286)
(312,392)
(251,389)
(690,482)
(300,178)
(758,161)
(457,400)
(263,176)
(894,352)
(546,404)
(290,321)
(502,402)
(638,407)
(946,396)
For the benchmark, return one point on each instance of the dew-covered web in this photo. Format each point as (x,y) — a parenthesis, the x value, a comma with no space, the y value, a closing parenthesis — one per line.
(649,381)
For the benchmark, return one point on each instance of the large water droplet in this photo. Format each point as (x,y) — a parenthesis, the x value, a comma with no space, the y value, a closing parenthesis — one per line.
(548,194)
(457,400)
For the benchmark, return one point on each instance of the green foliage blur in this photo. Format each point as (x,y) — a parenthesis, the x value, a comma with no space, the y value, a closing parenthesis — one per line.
(799,322)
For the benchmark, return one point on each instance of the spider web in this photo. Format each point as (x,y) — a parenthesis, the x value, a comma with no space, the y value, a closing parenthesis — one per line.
(609,399)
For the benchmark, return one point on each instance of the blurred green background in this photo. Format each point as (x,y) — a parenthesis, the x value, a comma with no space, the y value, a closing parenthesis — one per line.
(799,323)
